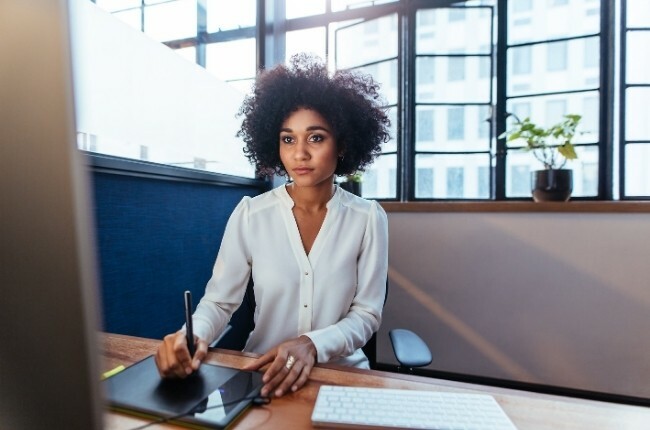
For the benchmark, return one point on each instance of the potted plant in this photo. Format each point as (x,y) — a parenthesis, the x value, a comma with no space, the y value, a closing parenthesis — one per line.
(352,184)
(553,147)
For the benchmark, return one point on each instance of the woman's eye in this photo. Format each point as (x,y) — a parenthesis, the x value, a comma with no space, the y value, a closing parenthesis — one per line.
(317,138)
(285,139)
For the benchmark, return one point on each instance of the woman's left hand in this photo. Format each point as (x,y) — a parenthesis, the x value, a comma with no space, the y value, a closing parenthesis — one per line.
(291,364)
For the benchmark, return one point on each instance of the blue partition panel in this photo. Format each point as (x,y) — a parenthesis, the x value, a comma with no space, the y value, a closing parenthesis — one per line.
(156,239)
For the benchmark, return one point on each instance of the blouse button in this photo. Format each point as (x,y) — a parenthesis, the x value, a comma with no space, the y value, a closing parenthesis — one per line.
(305,305)
(306,273)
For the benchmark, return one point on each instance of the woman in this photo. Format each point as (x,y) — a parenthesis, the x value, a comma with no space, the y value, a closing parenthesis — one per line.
(317,254)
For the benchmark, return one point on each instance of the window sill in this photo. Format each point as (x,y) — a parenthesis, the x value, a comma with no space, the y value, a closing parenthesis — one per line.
(519,206)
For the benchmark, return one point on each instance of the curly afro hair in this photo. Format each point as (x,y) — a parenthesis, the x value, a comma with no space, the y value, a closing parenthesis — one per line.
(349,101)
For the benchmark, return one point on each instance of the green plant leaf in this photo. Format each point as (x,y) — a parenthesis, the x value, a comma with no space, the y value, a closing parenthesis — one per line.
(568,151)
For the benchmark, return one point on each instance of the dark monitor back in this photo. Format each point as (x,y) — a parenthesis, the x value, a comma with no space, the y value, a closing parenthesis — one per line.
(48,351)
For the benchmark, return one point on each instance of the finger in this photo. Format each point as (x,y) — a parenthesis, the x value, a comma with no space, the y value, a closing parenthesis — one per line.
(281,375)
(200,354)
(290,379)
(168,364)
(161,361)
(261,361)
(183,365)
(273,374)
(302,379)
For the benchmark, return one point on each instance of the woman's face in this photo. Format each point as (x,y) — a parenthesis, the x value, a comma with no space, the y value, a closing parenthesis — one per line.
(308,149)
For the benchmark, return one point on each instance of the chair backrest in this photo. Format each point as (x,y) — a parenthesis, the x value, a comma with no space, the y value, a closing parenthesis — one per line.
(242,323)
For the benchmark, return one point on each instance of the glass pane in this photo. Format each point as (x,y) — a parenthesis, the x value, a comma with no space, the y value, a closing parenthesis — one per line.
(351,4)
(637,65)
(637,174)
(548,110)
(379,181)
(332,35)
(520,164)
(451,129)
(391,145)
(220,59)
(115,5)
(298,8)
(132,17)
(223,16)
(550,67)
(385,74)
(638,13)
(637,114)
(366,42)
(452,176)
(171,21)
(450,80)
(425,73)
(521,6)
(542,22)
(436,34)
(310,40)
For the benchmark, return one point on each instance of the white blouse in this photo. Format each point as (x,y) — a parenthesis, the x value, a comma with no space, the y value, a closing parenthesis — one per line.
(334,295)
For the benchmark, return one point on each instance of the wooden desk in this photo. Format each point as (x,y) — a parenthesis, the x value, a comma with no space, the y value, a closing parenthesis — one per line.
(527,410)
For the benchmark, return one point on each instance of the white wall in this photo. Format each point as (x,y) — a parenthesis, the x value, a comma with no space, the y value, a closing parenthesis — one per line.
(553,298)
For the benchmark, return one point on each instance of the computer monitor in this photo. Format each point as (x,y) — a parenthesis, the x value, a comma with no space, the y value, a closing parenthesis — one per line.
(49,377)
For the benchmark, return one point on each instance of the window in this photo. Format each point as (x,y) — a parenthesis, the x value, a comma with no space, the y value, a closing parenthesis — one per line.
(456,14)
(634,131)
(522,5)
(456,71)
(483,122)
(520,181)
(591,52)
(553,65)
(426,70)
(455,182)
(555,110)
(483,175)
(485,63)
(352,49)
(456,123)
(142,102)
(424,182)
(556,56)
(425,126)
(522,61)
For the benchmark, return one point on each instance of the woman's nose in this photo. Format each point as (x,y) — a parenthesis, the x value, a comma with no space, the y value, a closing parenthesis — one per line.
(301,152)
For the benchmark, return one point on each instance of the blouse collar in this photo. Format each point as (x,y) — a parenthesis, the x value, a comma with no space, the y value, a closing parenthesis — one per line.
(284,196)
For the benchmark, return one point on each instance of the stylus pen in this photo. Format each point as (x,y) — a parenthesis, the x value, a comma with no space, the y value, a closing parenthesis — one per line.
(189,331)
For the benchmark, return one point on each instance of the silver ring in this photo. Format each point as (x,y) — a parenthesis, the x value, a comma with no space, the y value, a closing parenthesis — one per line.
(290,362)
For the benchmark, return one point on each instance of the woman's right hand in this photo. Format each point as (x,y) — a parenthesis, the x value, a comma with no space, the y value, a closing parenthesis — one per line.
(173,358)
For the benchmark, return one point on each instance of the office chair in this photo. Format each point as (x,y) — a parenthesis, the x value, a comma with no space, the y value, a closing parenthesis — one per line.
(409,349)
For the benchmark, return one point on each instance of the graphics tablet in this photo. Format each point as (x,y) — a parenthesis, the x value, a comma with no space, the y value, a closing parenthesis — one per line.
(210,398)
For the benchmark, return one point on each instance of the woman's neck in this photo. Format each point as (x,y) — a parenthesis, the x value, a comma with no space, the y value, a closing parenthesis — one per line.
(311,199)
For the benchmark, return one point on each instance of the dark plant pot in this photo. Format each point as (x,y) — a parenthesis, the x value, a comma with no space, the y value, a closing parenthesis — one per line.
(552,185)
(351,186)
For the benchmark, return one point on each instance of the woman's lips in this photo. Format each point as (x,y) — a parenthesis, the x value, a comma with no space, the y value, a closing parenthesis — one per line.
(302,170)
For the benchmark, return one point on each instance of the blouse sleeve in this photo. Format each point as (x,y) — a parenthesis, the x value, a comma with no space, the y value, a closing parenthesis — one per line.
(226,288)
(364,316)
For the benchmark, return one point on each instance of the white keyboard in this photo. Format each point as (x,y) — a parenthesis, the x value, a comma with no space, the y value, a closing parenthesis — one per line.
(359,407)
